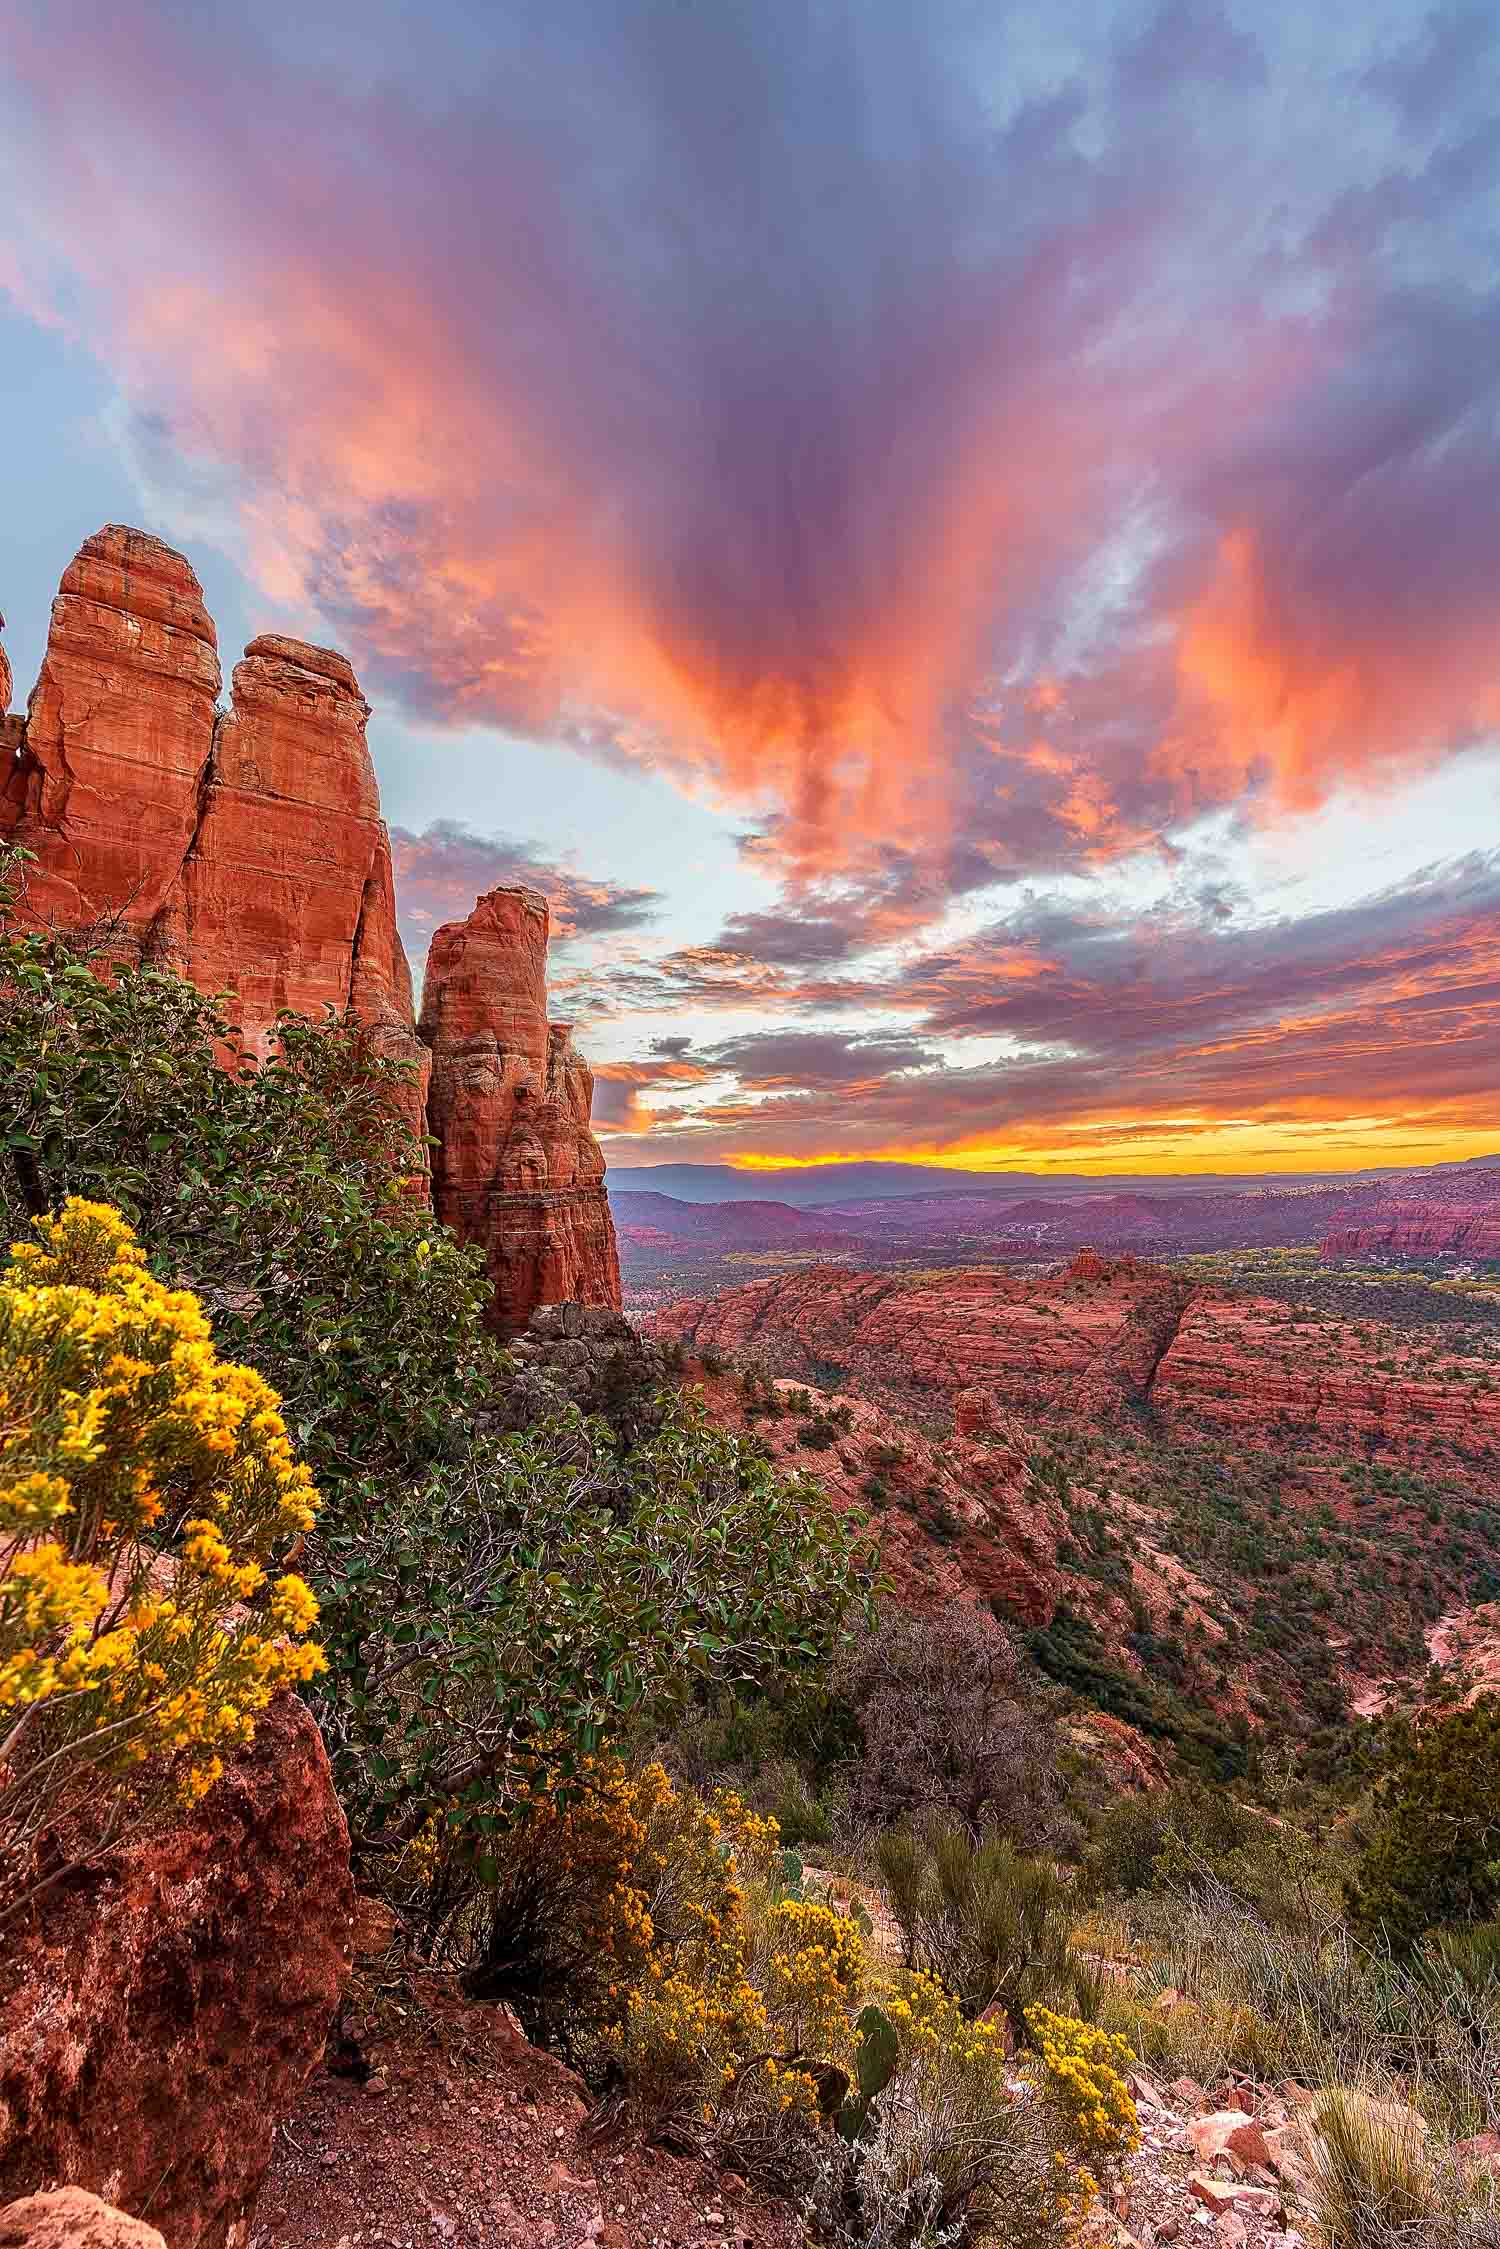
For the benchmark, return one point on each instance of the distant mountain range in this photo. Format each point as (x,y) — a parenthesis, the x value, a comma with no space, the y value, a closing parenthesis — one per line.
(677,1240)
(828,1185)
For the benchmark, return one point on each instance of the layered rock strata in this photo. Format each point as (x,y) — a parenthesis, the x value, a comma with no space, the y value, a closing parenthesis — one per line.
(1421,1229)
(245,848)
(515,1165)
(1106,1335)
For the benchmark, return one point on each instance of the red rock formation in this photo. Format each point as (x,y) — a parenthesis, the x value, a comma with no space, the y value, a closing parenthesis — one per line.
(1422,1229)
(517,1166)
(118,734)
(1106,1332)
(246,849)
(1087,1339)
(160,2014)
(286,897)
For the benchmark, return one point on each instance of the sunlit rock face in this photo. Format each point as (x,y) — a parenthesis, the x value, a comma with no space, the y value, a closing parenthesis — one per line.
(516,1166)
(245,848)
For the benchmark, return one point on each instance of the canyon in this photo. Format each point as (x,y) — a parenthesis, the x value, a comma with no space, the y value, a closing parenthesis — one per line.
(1208,1511)
(1102,1334)
(244,848)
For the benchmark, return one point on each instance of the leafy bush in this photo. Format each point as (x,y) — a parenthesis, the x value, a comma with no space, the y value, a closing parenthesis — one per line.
(126,1439)
(1197,1838)
(550,1590)
(280,1195)
(991,1926)
(1435,1853)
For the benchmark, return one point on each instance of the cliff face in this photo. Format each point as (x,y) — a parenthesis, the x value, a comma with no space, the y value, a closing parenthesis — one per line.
(516,1166)
(1255,1368)
(1422,1229)
(1087,1340)
(1106,1334)
(245,848)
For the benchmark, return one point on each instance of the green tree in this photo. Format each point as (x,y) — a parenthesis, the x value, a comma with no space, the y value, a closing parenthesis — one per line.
(1434,1857)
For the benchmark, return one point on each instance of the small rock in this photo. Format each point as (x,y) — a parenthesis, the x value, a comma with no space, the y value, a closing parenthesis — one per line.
(377,2082)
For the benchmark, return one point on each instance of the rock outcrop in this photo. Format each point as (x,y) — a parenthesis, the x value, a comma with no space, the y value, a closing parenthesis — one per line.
(245,848)
(68,2218)
(1420,1229)
(516,1166)
(162,2010)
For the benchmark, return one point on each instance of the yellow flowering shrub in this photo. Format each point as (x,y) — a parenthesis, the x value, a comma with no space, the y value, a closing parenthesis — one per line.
(145,1487)
(1082,2075)
(812,1967)
(956,2144)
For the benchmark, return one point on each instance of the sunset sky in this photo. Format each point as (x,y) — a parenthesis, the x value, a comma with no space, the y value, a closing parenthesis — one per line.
(959,543)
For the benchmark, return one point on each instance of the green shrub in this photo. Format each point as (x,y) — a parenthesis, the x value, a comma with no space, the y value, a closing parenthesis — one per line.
(1434,1855)
(1196,1837)
(552,1589)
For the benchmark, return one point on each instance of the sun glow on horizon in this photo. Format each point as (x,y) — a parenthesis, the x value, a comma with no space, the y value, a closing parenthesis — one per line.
(1146,1150)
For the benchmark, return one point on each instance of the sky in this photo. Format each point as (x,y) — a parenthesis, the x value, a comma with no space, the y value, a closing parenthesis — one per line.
(958,543)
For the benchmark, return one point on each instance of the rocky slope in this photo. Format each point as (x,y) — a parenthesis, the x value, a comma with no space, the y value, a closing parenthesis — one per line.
(245,848)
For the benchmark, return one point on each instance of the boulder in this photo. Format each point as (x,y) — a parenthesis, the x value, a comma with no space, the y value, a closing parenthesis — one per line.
(1221,2195)
(1228,2132)
(70,2218)
(163,2007)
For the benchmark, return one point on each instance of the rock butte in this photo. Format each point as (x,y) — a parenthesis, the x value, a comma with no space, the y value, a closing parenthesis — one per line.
(245,848)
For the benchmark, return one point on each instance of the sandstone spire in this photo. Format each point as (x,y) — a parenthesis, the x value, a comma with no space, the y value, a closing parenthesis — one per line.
(245,848)
(517,1166)
(118,734)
